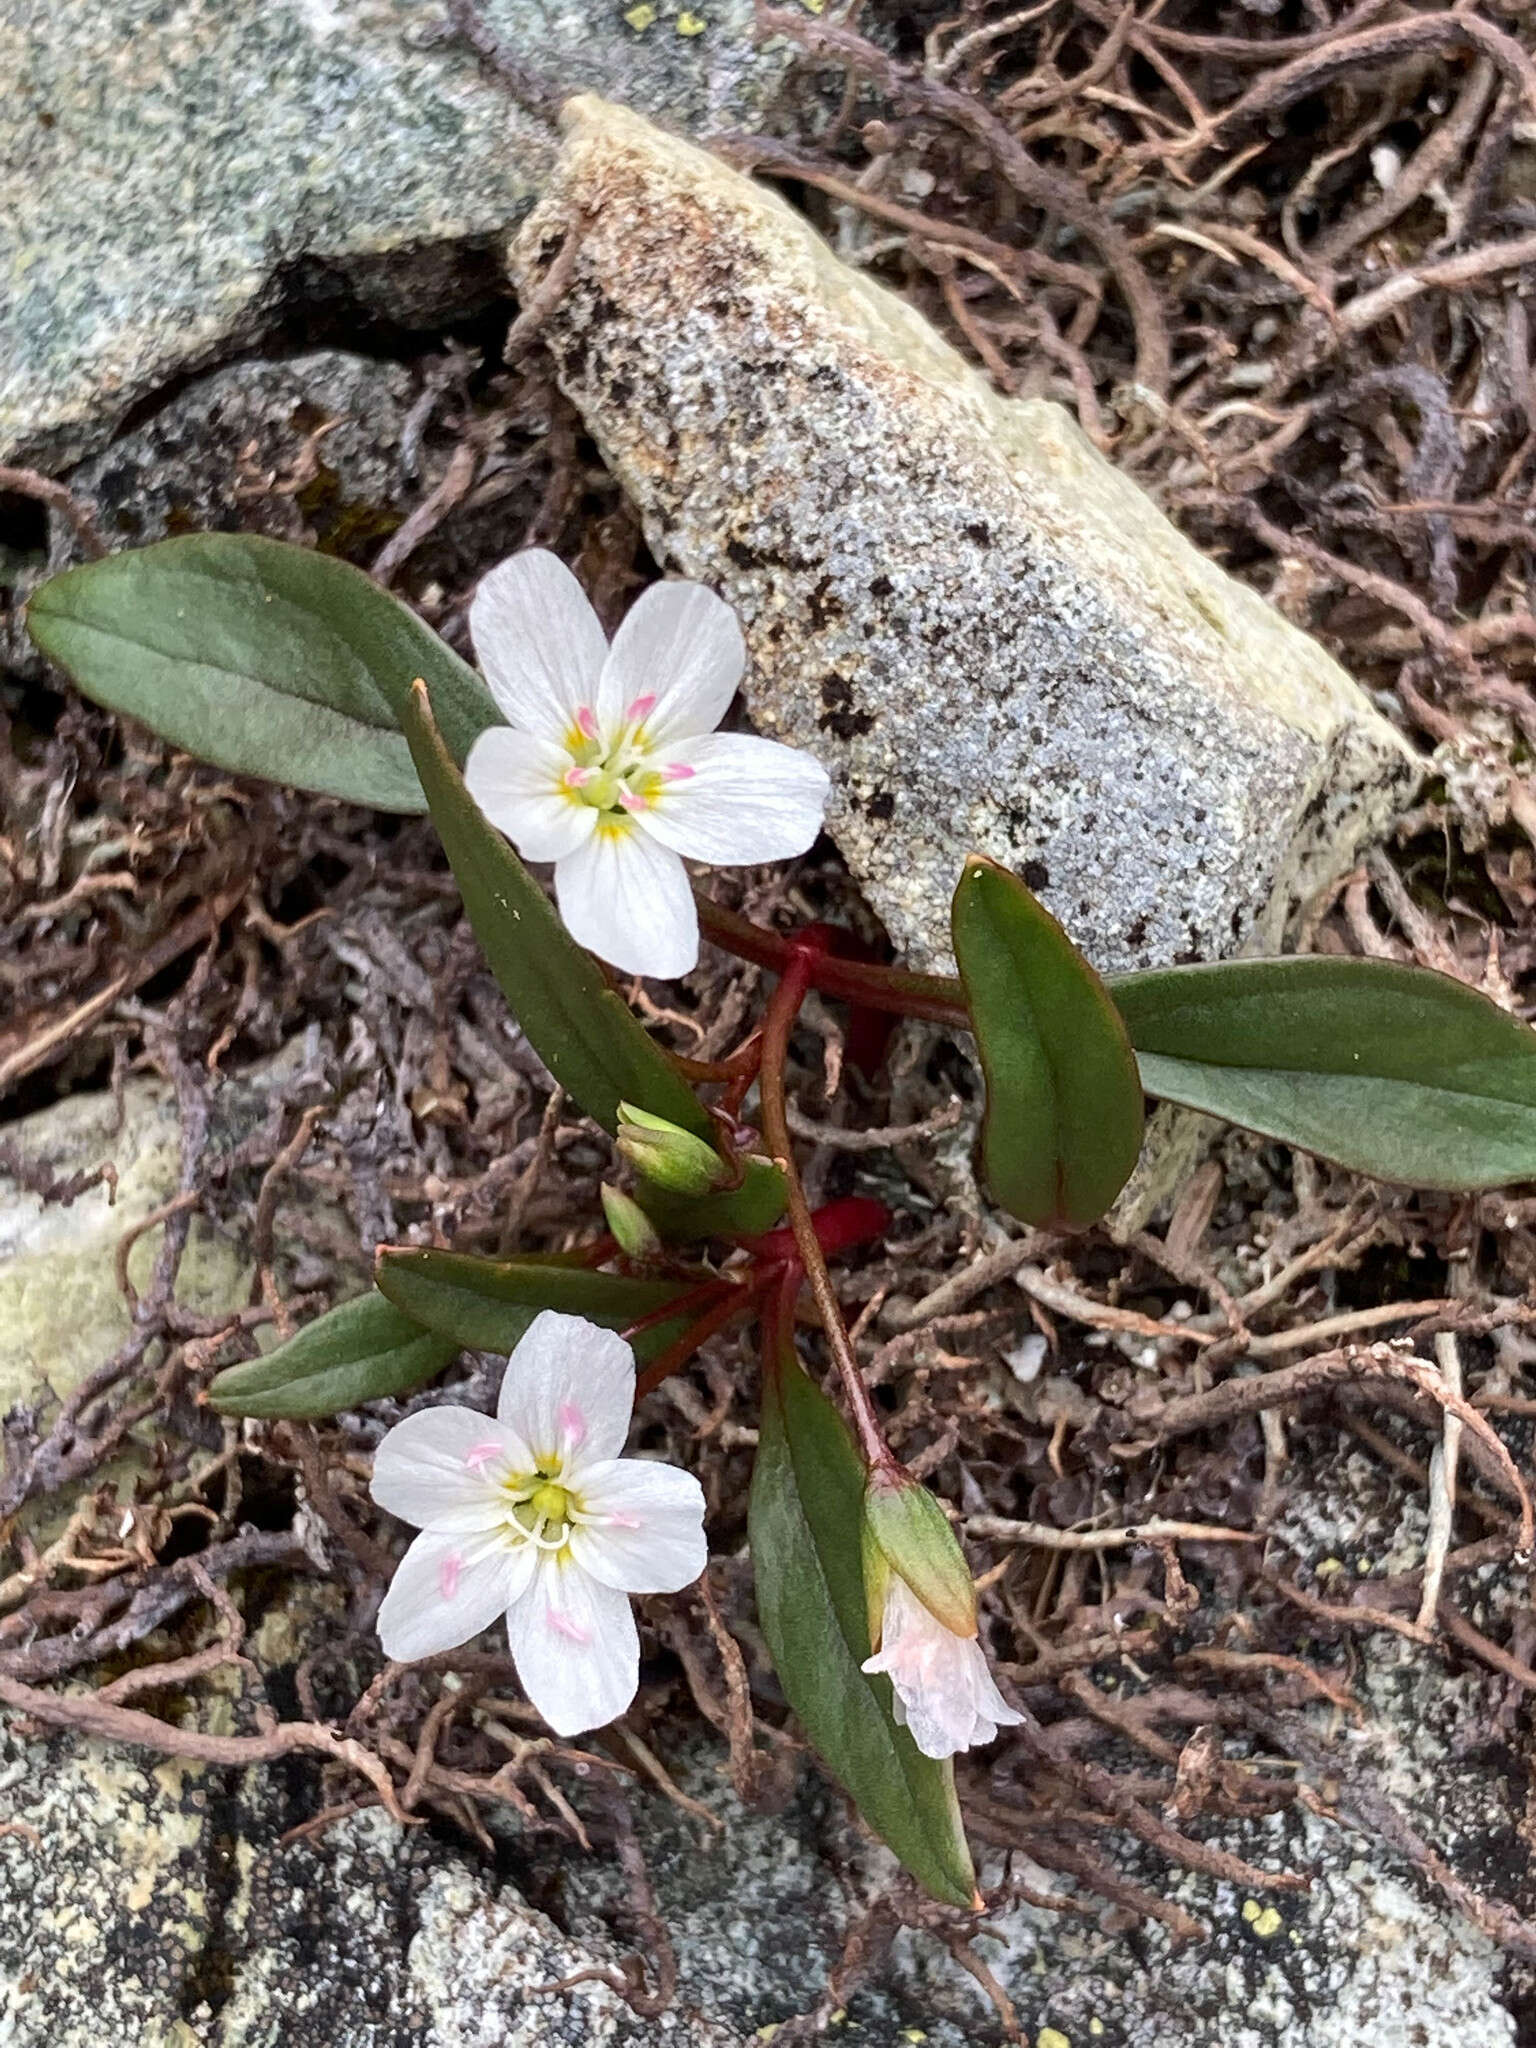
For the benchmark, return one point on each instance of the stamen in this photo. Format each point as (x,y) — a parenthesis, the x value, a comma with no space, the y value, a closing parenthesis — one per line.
(641,708)
(568,1626)
(633,803)
(586,722)
(448,1575)
(678,771)
(571,1423)
(616,1520)
(577,778)
(478,1456)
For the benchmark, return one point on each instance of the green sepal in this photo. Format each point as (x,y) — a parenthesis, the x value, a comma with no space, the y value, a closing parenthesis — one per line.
(906,1523)
(744,1212)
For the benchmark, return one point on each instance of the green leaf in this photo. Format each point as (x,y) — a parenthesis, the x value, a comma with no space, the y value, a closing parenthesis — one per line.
(1394,1071)
(487,1304)
(264,658)
(1064,1102)
(805,1521)
(359,1352)
(584,1034)
(746,1211)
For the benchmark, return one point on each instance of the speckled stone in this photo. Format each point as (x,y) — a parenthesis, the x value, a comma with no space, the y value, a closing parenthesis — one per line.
(993,639)
(175,173)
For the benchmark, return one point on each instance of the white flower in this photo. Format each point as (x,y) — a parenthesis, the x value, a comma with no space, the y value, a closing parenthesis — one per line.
(944,1692)
(535,1515)
(610,765)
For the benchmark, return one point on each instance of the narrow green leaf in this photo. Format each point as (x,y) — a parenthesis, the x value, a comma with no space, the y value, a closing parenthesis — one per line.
(1064,1103)
(362,1351)
(589,1040)
(746,1211)
(805,1521)
(487,1304)
(1394,1071)
(264,658)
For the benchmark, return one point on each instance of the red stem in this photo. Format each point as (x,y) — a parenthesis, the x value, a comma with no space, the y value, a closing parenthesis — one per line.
(936,997)
(677,1355)
(778,1022)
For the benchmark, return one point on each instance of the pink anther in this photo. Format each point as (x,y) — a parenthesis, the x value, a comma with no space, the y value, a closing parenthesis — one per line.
(577,778)
(679,771)
(448,1574)
(586,722)
(641,708)
(630,802)
(622,1521)
(478,1456)
(572,1423)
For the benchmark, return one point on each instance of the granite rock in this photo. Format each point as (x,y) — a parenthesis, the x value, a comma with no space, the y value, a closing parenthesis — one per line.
(176,178)
(993,639)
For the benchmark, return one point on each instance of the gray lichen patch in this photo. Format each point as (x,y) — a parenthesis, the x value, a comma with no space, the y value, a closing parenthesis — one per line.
(994,640)
(172,174)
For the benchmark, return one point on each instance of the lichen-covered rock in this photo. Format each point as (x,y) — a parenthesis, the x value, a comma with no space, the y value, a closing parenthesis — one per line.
(62,1311)
(174,177)
(994,639)
(303,448)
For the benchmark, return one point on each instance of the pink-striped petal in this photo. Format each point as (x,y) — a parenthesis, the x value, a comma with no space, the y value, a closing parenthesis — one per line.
(538,641)
(576,1647)
(746,800)
(569,1392)
(680,645)
(625,897)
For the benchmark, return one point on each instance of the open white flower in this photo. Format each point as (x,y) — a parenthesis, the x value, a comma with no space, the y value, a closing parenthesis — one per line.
(535,1515)
(610,765)
(944,1692)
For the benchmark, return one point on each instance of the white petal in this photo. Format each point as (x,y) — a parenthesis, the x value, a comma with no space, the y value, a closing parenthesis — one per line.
(945,1695)
(515,778)
(447,1588)
(650,1535)
(538,641)
(747,800)
(440,1469)
(576,1648)
(626,898)
(681,645)
(569,1391)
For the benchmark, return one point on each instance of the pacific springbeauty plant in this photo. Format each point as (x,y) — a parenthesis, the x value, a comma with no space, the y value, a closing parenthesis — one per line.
(605,761)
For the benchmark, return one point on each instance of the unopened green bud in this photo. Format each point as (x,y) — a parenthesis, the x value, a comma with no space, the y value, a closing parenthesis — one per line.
(632,1230)
(668,1155)
(911,1532)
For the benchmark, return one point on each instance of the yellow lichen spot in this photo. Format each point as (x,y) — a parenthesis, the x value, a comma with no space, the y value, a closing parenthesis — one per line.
(1268,1924)
(813,6)
(1329,1566)
(1251,1910)
(641,16)
(690,24)
(915,2035)
(1051,2037)
(1095,2026)
(767,2032)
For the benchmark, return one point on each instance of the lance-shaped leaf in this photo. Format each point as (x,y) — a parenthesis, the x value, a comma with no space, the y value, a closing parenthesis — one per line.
(1064,1103)
(362,1351)
(805,1526)
(589,1040)
(267,659)
(487,1304)
(1394,1071)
